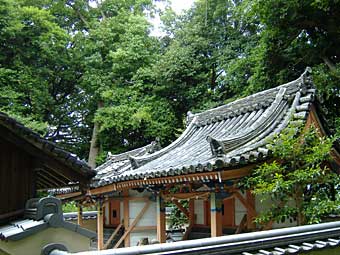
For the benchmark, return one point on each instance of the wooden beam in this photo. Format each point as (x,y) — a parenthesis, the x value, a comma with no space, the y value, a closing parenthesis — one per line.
(136,220)
(216,215)
(62,183)
(242,225)
(250,213)
(126,215)
(48,180)
(181,208)
(237,173)
(161,231)
(54,173)
(143,228)
(80,215)
(69,195)
(112,236)
(225,175)
(188,195)
(191,212)
(313,119)
(187,232)
(46,159)
(11,214)
(100,226)
(244,202)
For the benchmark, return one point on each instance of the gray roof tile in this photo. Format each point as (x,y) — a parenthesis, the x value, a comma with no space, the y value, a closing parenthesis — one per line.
(232,134)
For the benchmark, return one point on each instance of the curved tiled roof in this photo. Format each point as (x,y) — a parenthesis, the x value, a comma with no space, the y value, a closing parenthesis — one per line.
(232,134)
(119,163)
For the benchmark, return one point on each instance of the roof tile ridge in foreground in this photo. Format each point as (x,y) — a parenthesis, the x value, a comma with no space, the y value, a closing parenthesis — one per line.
(137,162)
(232,244)
(292,86)
(50,148)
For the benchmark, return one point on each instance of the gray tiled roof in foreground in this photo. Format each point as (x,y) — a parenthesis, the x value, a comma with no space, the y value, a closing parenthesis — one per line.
(226,136)
(46,147)
(39,215)
(293,240)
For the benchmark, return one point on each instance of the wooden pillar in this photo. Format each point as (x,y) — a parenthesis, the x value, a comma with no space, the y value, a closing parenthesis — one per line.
(126,216)
(100,226)
(250,213)
(191,212)
(80,215)
(216,215)
(161,231)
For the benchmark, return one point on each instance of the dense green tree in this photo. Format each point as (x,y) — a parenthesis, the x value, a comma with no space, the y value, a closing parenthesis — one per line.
(38,74)
(295,34)
(197,70)
(299,184)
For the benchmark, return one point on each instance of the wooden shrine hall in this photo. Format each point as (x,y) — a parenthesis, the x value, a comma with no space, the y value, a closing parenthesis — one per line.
(203,166)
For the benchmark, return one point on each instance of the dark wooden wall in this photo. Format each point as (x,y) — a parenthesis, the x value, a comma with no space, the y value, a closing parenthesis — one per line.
(16,177)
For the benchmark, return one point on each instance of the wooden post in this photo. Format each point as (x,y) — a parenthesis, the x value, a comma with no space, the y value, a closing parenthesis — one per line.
(191,212)
(161,232)
(80,215)
(250,213)
(216,215)
(126,216)
(100,226)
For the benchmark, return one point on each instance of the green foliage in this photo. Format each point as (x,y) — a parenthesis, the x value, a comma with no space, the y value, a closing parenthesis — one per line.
(72,207)
(59,60)
(298,183)
(177,218)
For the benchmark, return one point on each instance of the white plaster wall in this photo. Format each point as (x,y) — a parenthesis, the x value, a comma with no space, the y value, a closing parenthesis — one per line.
(240,210)
(199,211)
(265,205)
(107,213)
(149,217)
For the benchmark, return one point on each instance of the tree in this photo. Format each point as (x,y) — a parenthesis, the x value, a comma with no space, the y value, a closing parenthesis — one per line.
(295,34)
(298,183)
(198,68)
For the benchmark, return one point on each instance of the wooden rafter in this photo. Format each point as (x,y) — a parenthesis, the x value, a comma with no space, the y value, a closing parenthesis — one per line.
(172,180)
(40,154)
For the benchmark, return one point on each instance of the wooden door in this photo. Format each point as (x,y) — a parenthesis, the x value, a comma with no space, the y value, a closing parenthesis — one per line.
(228,212)
(114,212)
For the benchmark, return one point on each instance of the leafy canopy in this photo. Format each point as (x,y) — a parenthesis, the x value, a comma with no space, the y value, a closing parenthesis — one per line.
(299,183)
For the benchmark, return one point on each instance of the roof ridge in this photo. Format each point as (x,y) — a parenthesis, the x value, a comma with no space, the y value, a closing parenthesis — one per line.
(198,120)
(227,111)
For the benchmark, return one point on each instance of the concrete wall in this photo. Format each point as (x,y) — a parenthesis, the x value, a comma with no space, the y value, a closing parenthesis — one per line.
(33,244)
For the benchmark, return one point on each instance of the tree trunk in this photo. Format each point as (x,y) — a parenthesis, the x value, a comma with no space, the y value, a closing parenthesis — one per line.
(94,145)
(329,63)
